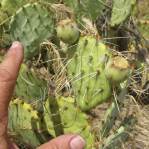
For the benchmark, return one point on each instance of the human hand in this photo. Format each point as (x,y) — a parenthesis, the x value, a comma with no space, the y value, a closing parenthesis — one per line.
(9,69)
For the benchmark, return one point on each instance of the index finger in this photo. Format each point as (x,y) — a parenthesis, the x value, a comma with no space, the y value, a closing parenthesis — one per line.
(9,69)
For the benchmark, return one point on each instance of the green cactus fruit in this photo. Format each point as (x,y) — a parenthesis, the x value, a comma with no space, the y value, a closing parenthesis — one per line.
(29,86)
(31,25)
(69,118)
(86,73)
(68,31)
(117,69)
(24,124)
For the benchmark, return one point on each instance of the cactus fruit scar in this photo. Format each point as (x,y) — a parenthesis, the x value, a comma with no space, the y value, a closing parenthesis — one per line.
(86,72)
(67,31)
(117,69)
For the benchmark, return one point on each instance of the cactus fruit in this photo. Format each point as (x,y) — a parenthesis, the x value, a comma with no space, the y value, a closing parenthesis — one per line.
(72,122)
(29,86)
(31,25)
(68,31)
(86,72)
(117,69)
(24,124)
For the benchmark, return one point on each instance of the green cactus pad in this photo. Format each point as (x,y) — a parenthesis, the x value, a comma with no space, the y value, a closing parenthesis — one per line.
(86,8)
(31,25)
(72,119)
(86,73)
(24,124)
(121,11)
(29,86)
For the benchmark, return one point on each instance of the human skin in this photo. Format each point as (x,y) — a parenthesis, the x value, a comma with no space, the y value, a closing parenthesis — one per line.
(9,69)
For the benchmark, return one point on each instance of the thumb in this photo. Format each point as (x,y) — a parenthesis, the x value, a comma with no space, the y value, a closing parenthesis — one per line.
(65,142)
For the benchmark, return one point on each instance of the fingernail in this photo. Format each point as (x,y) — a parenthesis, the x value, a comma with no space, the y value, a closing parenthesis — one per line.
(77,143)
(15,44)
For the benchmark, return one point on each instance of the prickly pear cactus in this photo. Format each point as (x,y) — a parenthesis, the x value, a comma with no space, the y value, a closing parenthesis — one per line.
(31,25)
(86,73)
(24,124)
(70,118)
(32,129)
(29,86)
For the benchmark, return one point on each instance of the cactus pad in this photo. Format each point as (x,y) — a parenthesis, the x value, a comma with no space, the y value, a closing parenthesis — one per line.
(33,128)
(24,124)
(31,25)
(72,122)
(29,86)
(86,73)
